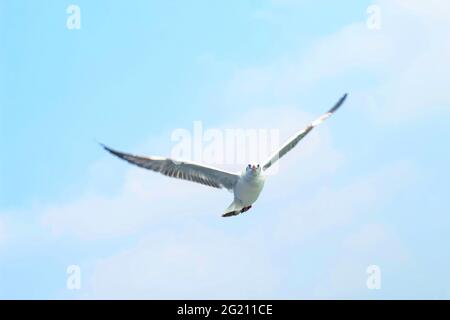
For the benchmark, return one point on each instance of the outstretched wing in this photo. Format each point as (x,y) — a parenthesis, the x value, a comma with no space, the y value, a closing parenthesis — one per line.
(181,169)
(292,142)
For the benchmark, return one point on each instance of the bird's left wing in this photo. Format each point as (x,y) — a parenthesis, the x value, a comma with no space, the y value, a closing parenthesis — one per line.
(292,142)
(182,169)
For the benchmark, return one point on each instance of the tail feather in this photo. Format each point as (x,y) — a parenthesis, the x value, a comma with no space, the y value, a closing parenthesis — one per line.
(233,209)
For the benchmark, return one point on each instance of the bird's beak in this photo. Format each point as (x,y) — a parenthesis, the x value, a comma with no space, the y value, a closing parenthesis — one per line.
(253,168)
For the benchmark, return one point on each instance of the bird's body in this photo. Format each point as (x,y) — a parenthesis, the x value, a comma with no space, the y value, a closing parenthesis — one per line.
(246,192)
(246,186)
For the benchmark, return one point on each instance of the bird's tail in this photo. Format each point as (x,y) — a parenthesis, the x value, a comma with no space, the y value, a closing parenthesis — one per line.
(233,209)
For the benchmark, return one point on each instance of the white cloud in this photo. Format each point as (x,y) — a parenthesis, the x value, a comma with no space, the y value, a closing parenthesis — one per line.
(371,244)
(239,258)
(331,207)
(407,59)
(191,261)
(186,250)
(143,200)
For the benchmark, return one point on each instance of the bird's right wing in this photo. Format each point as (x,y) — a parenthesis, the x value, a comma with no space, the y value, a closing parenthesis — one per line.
(292,142)
(181,169)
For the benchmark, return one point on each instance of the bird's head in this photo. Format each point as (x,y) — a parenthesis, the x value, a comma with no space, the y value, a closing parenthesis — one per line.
(253,170)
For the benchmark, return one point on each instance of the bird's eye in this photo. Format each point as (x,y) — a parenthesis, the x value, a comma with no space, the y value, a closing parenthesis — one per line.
(257,166)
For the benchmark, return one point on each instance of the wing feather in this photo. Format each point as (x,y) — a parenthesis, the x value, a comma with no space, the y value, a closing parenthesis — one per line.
(181,169)
(294,140)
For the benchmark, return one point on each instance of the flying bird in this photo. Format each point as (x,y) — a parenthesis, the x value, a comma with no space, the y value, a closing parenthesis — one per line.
(246,186)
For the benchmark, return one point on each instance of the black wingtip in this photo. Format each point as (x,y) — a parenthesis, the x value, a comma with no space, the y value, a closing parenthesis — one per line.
(104,146)
(339,103)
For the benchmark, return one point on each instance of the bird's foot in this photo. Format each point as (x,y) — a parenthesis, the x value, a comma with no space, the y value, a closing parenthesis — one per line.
(245,209)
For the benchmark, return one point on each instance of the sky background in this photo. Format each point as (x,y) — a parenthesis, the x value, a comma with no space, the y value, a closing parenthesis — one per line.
(368,187)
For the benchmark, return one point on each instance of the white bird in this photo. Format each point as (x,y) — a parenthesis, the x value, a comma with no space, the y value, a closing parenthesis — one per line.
(246,186)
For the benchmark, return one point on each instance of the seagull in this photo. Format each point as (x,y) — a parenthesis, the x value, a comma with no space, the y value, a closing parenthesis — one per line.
(246,186)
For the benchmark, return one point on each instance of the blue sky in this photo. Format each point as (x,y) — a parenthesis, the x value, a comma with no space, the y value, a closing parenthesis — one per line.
(368,187)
